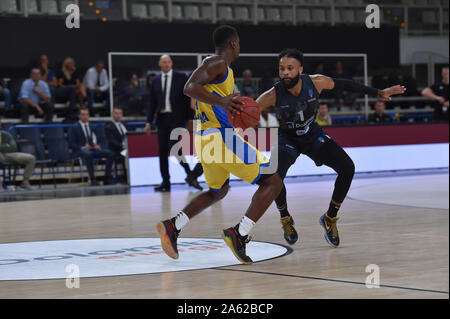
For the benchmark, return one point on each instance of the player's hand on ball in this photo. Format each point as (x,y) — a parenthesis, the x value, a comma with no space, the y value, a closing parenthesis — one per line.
(393,90)
(231,103)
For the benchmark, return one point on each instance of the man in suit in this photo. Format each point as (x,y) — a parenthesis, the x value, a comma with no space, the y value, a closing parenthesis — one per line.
(116,133)
(83,142)
(169,109)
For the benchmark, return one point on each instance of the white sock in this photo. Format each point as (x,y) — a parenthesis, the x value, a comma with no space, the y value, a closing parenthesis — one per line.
(245,226)
(180,220)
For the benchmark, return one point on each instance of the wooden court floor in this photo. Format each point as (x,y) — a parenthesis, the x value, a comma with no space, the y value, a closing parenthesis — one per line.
(399,223)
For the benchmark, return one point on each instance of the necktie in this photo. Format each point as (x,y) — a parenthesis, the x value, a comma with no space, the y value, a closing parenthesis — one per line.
(88,134)
(98,79)
(119,126)
(164,92)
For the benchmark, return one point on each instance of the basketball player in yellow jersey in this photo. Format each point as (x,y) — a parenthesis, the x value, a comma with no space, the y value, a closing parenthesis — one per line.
(212,85)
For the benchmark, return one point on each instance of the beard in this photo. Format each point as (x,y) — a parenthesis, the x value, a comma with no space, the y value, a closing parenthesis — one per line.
(291,83)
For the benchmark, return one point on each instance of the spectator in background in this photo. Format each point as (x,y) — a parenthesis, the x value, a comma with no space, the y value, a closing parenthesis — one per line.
(268,119)
(133,98)
(116,134)
(35,94)
(439,93)
(169,109)
(10,155)
(342,97)
(246,87)
(97,85)
(47,75)
(5,94)
(323,118)
(380,115)
(83,142)
(69,81)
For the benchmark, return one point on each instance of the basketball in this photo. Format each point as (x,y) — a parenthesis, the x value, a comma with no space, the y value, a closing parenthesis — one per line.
(249,117)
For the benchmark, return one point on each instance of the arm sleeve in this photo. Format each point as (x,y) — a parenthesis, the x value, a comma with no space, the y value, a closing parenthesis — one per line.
(353,86)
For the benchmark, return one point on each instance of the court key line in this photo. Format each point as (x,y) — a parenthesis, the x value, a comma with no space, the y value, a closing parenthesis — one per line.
(332,280)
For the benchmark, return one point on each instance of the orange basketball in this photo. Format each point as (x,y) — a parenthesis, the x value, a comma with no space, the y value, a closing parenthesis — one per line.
(249,117)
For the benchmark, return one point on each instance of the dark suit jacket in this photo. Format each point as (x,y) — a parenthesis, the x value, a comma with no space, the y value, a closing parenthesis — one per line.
(76,137)
(114,138)
(180,103)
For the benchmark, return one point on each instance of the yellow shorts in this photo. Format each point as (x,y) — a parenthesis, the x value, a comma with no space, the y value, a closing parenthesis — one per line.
(221,152)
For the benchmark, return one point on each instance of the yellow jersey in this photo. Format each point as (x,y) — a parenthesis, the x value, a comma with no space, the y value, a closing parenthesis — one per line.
(212,116)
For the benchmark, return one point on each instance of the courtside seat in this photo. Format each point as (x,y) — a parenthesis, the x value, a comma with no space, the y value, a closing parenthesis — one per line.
(157,11)
(303,15)
(33,7)
(261,14)
(287,14)
(348,16)
(9,6)
(273,14)
(49,7)
(192,12)
(206,12)
(225,13)
(139,10)
(177,12)
(318,15)
(241,13)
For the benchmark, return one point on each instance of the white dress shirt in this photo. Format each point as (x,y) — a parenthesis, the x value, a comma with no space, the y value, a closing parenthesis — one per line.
(87,132)
(91,77)
(121,129)
(169,86)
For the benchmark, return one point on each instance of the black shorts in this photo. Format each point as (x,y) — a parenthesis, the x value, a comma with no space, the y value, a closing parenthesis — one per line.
(308,144)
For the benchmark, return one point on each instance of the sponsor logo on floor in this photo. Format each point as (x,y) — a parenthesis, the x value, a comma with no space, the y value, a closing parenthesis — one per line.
(120,256)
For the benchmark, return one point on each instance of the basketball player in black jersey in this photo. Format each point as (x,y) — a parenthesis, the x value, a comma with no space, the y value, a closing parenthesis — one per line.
(296,100)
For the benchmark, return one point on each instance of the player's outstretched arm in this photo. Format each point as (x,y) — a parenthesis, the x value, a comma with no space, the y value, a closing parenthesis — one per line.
(212,69)
(267,99)
(322,82)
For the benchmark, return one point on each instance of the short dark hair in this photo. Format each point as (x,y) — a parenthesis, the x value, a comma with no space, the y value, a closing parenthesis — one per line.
(292,53)
(83,108)
(223,34)
(118,107)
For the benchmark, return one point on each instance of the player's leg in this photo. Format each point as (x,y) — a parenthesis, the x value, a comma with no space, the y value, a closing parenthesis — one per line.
(332,155)
(170,229)
(249,168)
(238,236)
(217,178)
(287,155)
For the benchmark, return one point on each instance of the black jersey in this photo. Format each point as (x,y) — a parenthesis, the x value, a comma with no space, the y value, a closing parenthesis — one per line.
(297,114)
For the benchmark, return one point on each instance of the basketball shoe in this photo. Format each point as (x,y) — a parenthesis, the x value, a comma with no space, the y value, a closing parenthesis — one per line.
(237,243)
(168,235)
(330,230)
(290,234)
